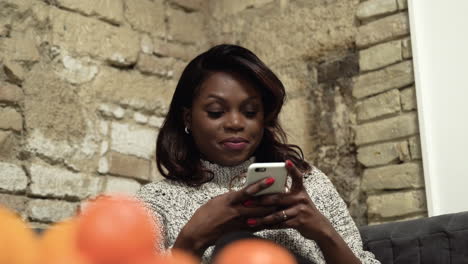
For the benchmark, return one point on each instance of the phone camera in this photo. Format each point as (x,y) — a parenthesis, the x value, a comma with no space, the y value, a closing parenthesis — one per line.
(260,169)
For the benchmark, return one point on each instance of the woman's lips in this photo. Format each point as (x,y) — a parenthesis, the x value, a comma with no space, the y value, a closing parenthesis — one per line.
(234,145)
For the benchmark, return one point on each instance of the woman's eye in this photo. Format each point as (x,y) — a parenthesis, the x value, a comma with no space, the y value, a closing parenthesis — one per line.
(250,114)
(215,114)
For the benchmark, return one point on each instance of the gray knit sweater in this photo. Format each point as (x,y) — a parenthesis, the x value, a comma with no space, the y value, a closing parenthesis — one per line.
(173,203)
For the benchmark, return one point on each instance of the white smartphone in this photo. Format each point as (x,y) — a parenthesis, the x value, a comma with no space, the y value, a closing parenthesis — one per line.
(277,170)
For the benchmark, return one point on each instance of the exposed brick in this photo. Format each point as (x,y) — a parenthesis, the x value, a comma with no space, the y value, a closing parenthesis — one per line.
(149,64)
(382,30)
(384,153)
(146,44)
(189,4)
(222,8)
(129,166)
(176,50)
(186,27)
(15,203)
(55,182)
(396,204)
(12,177)
(10,119)
(415,147)
(406,48)
(10,93)
(87,36)
(374,8)
(117,185)
(401,176)
(133,140)
(146,15)
(402,4)
(380,55)
(391,77)
(21,47)
(408,99)
(379,105)
(387,129)
(107,10)
(14,72)
(132,88)
(51,210)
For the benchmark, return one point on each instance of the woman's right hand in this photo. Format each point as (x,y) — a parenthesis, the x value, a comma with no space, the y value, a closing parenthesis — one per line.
(222,214)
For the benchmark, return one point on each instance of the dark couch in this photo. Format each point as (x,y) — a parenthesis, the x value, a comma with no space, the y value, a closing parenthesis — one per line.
(439,239)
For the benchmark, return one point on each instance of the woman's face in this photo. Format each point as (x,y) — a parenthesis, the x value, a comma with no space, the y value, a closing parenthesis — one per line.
(226,119)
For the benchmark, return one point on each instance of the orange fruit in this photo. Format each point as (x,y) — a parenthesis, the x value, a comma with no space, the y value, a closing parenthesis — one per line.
(18,243)
(58,244)
(116,229)
(254,251)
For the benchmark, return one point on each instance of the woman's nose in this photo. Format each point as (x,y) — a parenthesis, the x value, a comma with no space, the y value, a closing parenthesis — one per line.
(234,121)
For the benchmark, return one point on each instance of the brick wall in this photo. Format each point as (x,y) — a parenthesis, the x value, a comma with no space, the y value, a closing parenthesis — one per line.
(84,87)
(387,133)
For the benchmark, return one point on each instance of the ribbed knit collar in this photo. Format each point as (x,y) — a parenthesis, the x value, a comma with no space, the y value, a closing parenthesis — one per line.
(224,174)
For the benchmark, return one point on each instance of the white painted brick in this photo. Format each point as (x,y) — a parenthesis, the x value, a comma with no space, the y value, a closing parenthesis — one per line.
(133,140)
(12,177)
(56,182)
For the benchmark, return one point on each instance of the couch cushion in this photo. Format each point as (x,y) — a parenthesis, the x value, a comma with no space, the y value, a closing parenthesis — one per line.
(440,239)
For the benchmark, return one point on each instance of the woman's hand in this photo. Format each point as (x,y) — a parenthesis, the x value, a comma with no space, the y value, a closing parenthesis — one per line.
(296,210)
(220,215)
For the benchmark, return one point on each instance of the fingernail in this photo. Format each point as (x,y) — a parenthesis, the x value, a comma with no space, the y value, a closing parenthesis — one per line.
(289,164)
(248,203)
(251,222)
(269,181)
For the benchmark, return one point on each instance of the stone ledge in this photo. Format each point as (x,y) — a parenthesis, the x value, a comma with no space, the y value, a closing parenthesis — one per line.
(384,153)
(387,129)
(380,55)
(369,9)
(396,204)
(392,77)
(379,105)
(401,176)
(382,30)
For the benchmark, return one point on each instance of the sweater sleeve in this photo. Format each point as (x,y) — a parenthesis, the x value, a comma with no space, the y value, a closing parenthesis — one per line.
(332,206)
(149,196)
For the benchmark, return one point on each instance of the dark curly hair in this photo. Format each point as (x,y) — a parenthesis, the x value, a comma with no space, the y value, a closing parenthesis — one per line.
(177,156)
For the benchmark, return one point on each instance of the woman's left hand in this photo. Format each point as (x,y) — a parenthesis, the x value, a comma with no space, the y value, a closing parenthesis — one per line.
(296,210)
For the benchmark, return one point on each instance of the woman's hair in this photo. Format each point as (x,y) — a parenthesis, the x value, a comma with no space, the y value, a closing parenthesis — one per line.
(177,156)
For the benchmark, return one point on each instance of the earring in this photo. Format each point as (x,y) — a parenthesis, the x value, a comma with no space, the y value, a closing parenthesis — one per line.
(187,131)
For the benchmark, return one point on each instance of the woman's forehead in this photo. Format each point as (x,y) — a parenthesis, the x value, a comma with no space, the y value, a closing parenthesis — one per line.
(221,85)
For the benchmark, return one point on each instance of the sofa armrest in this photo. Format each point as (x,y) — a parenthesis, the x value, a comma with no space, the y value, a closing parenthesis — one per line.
(439,239)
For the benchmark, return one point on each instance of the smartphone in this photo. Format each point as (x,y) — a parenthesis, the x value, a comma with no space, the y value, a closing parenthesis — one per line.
(277,170)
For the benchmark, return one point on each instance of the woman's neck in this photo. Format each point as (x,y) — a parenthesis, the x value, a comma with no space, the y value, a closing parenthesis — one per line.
(223,175)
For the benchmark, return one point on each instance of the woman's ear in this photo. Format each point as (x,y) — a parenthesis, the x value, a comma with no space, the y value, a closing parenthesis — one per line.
(187,116)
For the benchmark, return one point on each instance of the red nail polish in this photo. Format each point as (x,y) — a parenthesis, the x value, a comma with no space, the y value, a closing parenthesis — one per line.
(289,164)
(251,222)
(248,203)
(269,181)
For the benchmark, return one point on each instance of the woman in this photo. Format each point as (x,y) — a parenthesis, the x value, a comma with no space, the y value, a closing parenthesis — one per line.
(223,117)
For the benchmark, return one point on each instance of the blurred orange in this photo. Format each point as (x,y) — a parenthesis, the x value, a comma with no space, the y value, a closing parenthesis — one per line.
(254,251)
(58,244)
(18,243)
(179,257)
(116,229)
